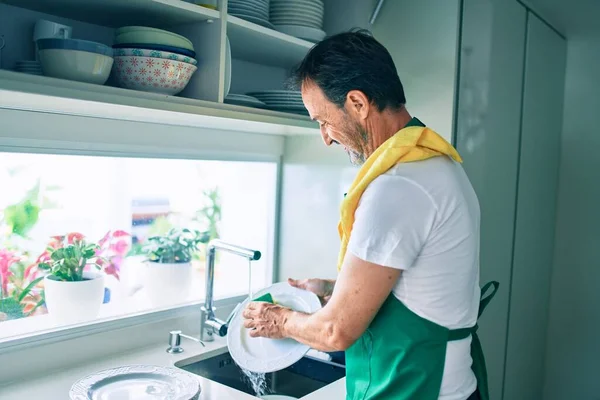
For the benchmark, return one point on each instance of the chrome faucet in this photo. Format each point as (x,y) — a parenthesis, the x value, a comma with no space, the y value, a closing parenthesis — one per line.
(209,324)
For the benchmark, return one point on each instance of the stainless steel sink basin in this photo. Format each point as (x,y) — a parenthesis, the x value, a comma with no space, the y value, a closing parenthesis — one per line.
(304,377)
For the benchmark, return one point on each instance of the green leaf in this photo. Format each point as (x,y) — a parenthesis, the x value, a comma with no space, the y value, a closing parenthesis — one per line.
(27,289)
(44,266)
(11,307)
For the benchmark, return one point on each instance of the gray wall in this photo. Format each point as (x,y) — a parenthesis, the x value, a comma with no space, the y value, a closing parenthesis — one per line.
(573,347)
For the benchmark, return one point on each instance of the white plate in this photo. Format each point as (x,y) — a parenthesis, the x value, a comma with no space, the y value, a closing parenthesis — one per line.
(302,32)
(254,20)
(268,355)
(306,10)
(306,3)
(253,14)
(139,382)
(227,66)
(243,100)
(297,22)
(246,9)
(262,9)
(298,14)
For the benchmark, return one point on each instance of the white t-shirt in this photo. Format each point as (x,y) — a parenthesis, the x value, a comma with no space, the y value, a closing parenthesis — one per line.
(423,218)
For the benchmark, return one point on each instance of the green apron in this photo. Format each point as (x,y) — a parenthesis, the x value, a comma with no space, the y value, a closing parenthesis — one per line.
(401,356)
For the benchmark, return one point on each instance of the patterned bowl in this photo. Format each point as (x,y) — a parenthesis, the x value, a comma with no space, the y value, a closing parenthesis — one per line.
(151,74)
(156,54)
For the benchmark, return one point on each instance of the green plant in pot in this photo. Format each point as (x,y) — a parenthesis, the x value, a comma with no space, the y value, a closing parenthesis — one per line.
(74,284)
(168,270)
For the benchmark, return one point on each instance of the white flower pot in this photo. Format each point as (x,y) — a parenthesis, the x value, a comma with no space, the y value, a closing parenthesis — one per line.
(74,302)
(167,284)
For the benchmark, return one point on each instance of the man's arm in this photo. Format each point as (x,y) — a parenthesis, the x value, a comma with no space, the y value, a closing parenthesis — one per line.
(359,292)
(394,219)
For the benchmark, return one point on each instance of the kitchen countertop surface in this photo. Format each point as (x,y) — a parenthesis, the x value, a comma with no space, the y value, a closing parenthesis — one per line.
(56,385)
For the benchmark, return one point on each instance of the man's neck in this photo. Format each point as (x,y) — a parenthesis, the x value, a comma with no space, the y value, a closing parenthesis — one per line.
(387,124)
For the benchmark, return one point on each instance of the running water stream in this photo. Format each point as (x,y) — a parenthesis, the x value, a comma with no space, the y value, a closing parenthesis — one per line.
(257,380)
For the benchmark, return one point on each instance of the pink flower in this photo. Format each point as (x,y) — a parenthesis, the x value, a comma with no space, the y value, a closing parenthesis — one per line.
(74,236)
(7,258)
(120,247)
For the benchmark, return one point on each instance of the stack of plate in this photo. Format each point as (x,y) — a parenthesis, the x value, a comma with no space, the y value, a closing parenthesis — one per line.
(256,11)
(243,100)
(29,67)
(282,100)
(300,18)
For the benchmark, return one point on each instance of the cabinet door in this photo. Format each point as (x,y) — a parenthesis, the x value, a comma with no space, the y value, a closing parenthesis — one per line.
(487,137)
(536,210)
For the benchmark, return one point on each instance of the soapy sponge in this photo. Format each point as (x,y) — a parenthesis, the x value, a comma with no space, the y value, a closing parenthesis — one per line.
(266,298)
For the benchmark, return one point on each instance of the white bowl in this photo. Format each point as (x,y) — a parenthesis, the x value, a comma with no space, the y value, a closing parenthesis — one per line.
(156,54)
(76,65)
(151,74)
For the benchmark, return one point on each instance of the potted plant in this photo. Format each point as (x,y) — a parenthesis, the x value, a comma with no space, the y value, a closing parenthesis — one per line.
(20,295)
(74,285)
(168,269)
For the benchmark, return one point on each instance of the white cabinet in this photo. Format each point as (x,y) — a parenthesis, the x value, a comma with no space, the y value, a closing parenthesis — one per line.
(231,53)
(509,124)
(488,126)
(541,129)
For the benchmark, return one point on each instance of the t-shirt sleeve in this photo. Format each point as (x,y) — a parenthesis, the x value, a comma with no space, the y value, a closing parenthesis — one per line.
(392,222)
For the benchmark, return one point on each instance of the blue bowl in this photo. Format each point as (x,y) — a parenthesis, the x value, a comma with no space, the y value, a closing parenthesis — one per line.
(74,44)
(159,47)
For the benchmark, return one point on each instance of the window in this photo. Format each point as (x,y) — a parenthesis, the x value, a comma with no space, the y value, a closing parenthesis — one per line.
(115,205)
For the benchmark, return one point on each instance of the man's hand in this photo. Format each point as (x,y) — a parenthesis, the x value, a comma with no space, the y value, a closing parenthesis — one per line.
(265,319)
(321,287)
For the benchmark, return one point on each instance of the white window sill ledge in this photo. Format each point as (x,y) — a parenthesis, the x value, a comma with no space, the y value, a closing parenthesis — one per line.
(41,330)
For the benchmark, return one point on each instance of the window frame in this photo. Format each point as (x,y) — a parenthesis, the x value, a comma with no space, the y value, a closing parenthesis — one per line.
(29,128)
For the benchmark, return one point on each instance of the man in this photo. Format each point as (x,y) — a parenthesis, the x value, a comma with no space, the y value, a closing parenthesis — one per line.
(406,300)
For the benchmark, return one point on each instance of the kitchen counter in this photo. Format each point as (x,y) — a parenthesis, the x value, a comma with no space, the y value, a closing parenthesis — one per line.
(56,385)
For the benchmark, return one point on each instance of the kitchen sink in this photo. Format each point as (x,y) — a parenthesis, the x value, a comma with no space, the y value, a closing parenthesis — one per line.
(304,377)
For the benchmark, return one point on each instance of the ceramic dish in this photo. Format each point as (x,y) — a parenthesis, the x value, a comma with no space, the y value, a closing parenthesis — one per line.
(254,20)
(268,355)
(243,100)
(152,74)
(171,49)
(303,32)
(76,65)
(145,35)
(74,44)
(156,54)
(139,382)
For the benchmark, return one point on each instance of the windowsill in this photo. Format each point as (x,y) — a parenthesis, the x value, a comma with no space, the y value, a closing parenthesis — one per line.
(43,329)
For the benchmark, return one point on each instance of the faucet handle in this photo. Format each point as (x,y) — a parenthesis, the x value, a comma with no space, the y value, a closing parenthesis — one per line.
(175,342)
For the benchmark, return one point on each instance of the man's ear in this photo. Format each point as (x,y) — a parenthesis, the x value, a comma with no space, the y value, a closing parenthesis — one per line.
(358,104)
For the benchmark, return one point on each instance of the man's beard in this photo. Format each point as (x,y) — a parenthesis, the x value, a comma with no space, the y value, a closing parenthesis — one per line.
(356,158)
(361,138)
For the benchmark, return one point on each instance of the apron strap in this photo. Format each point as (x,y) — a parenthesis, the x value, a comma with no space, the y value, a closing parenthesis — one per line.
(463,333)
(485,300)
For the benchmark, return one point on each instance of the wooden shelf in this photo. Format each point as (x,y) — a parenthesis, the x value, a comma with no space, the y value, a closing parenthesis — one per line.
(116,13)
(83,99)
(255,43)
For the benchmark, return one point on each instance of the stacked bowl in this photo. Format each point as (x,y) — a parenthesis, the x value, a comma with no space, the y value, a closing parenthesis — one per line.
(299,18)
(256,11)
(75,59)
(153,60)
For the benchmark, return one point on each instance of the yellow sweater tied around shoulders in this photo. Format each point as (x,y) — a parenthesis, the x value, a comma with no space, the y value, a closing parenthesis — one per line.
(414,143)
